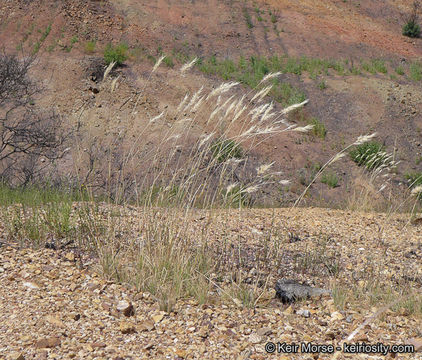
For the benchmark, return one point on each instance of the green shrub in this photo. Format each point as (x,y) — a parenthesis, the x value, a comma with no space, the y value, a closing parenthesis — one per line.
(322,85)
(411,29)
(225,149)
(168,60)
(330,179)
(370,154)
(117,54)
(90,46)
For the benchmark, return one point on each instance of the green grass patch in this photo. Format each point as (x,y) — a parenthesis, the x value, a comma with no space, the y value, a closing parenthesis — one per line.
(416,71)
(319,128)
(330,178)
(90,46)
(117,54)
(225,149)
(370,154)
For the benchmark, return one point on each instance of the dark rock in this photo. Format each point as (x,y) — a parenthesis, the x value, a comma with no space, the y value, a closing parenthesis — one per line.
(290,290)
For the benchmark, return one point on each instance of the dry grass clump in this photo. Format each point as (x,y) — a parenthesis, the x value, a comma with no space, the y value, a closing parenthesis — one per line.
(199,161)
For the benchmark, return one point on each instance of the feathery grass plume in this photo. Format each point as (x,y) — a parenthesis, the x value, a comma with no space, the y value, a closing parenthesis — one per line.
(416,190)
(251,189)
(256,112)
(294,107)
(270,76)
(114,83)
(338,156)
(194,99)
(187,66)
(182,103)
(264,168)
(158,63)
(364,138)
(230,187)
(303,129)
(108,69)
(230,108)
(262,93)
(198,104)
(239,113)
(205,139)
(219,108)
(223,88)
(267,114)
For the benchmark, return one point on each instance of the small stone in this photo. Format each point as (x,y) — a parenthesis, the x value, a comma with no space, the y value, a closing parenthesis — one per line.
(337,316)
(48,343)
(127,327)
(361,338)
(98,345)
(54,321)
(17,356)
(255,338)
(70,256)
(289,310)
(304,313)
(31,285)
(181,353)
(126,308)
(264,331)
(157,318)
(147,325)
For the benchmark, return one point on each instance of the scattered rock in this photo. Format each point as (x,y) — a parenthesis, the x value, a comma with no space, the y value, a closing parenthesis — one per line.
(31,285)
(157,318)
(127,327)
(147,325)
(264,331)
(304,313)
(54,321)
(337,316)
(255,338)
(17,356)
(126,308)
(98,345)
(70,256)
(47,342)
(290,290)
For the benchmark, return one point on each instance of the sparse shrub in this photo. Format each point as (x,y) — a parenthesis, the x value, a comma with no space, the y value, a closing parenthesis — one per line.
(117,54)
(412,29)
(330,178)
(399,70)
(319,128)
(370,154)
(168,60)
(248,19)
(322,85)
(90,46)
